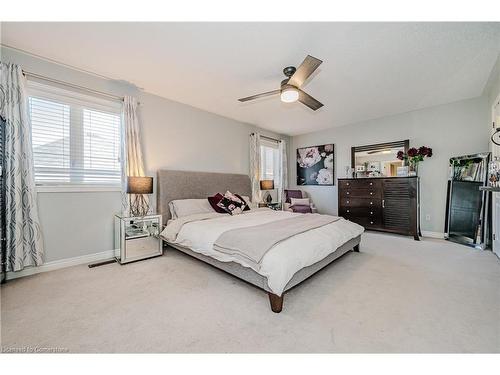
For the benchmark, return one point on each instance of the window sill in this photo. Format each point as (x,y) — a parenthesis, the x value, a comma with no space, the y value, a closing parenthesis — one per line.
(76,189)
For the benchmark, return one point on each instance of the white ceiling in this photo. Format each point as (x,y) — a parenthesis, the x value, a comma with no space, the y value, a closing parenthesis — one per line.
(370,70)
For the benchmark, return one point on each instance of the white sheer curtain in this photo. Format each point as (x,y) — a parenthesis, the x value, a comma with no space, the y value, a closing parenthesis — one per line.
(283,173)
(132,163)
(24,235)
(255,166)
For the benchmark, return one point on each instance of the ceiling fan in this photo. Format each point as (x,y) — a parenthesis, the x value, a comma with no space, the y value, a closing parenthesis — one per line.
(290,87)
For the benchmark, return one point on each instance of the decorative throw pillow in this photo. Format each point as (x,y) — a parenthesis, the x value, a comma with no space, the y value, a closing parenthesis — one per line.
(214,201)
(299,201)
(247,206)
(292,194)
(251,205)
(232,204)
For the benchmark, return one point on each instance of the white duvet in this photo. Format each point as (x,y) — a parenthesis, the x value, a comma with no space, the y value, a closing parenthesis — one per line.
(199,233)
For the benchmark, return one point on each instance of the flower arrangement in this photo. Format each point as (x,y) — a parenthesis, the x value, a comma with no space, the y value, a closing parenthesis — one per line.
(415,156)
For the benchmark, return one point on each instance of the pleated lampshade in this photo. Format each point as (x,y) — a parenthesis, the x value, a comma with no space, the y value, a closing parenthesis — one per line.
(266,184)
(139,185)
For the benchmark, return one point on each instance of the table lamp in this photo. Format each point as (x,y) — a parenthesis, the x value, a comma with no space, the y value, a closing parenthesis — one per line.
(137,187)
(267,185)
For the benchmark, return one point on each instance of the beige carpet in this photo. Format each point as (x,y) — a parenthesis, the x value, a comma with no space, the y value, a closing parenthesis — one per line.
(397,295)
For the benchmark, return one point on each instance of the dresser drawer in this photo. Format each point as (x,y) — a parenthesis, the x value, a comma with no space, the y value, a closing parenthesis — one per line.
(374,222)
(350,184)
(363,183)
(360,211)
(361,193)
(359,202)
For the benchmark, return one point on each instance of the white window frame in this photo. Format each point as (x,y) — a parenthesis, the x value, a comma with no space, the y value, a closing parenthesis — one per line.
(276,163)
(51,92)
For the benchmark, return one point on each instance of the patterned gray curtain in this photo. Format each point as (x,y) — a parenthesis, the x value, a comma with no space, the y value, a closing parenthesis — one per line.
(283,177)
(24,236)
(132,163)
(255,167)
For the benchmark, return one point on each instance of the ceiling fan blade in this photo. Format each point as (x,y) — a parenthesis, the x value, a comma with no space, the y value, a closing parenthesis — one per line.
(304,71)
(269,93)
(309,101)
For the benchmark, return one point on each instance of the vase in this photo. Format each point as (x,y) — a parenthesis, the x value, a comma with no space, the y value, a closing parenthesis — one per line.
(413,168)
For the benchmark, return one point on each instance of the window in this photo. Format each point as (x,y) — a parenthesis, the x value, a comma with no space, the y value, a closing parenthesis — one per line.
(76,138)
(269,161)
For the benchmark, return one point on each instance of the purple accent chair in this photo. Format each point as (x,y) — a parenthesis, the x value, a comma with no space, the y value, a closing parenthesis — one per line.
(296,208)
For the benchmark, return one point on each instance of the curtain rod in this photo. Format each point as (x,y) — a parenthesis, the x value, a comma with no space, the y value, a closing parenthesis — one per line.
(269,138)
(78,87)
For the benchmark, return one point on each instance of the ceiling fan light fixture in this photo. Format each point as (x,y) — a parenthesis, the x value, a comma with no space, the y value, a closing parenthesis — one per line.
(289,95)
(290,88)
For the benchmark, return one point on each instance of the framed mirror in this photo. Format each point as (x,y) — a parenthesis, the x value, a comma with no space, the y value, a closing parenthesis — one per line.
(379,160)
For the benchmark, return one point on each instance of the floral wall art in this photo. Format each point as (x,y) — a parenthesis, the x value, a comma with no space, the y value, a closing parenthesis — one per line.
(315,165)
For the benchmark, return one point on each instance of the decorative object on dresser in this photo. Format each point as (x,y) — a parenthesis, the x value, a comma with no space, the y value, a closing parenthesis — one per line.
(378,160)
(137,187)
(137,238)
(414,156)
(267,185)
(384,204)
(315,165)
(298,194)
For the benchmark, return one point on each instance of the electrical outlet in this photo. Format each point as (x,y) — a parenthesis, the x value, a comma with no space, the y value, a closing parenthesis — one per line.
(427,217)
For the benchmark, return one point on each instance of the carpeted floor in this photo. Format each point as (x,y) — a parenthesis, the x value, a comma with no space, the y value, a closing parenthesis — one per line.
(397,295)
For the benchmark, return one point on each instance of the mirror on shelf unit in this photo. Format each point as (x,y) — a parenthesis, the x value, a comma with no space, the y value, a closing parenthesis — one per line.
(379,160)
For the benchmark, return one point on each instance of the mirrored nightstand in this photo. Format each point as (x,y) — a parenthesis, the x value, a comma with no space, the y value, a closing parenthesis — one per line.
(274,206)
(137,238)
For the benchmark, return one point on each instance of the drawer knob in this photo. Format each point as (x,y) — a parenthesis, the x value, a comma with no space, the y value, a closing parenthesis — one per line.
(371,193)
(347,201)
(371,222)
(347,193)
(348,211)
(371,212)
(371,202)
(371,183)
(348,184)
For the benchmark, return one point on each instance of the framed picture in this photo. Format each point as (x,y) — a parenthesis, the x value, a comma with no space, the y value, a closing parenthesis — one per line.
(315,165)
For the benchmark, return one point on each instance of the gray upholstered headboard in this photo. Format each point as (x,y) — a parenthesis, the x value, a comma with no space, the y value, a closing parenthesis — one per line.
(184,185)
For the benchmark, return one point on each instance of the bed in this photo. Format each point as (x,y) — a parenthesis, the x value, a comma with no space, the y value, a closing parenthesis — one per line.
(283,267)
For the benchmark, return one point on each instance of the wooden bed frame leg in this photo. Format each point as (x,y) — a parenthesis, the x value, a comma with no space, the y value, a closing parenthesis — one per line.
(276,302)
(356,248)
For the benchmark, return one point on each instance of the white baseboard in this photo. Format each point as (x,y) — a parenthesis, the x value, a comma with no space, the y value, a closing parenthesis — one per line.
(430,234)
(62,263)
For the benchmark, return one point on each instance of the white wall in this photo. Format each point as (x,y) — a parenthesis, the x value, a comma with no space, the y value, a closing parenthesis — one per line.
(451,130)
(177,136)
(174,136)
(181,137)
(492,89)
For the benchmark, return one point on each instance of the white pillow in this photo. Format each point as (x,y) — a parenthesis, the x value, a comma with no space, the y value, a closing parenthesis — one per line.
(172,210)
(299,202)
(184,207)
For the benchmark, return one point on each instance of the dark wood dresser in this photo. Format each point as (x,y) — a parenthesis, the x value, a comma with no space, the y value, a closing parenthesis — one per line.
(388,204)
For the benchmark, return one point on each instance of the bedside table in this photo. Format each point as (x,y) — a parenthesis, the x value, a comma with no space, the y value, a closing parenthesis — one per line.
(273,206)
(137,238)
